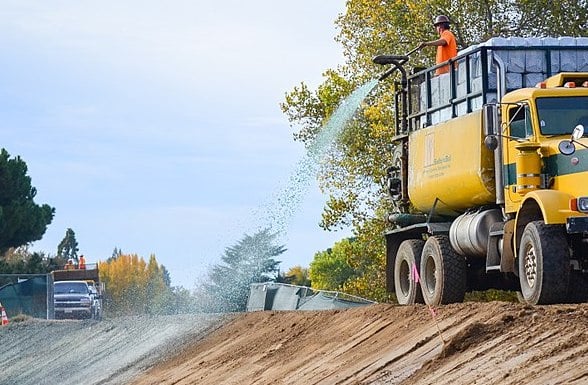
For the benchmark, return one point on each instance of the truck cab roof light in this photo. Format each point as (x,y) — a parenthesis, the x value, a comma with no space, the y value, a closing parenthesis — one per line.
(570,85)
(541,85)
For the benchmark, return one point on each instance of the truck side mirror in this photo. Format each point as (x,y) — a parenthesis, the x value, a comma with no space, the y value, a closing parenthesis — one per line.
(491,124)
(491,142)
(578,132)
(490,118)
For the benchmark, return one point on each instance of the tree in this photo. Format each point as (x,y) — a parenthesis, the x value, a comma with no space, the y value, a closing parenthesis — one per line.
(21,219)
(68,247)
(136,287)
(330,269)
(298,275)
(22,261)
(250,260)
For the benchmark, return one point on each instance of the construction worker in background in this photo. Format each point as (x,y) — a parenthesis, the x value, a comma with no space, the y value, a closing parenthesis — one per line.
(82,262)
(70,264)
(446,44)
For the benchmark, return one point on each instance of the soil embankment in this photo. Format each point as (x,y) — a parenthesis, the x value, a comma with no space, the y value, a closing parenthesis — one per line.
(488,343)
(471,343)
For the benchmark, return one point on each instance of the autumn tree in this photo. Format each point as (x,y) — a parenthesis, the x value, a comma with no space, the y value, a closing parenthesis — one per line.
(297,275)
(21,219)
(135,286)
(68,247)
(250,260)
(353,173)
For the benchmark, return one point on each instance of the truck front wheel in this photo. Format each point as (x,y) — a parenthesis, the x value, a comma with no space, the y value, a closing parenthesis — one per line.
(408,257)
(443,272)
(544,264)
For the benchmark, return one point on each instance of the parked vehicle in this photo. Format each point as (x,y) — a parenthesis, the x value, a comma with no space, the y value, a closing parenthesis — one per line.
(78,293)
(73,299)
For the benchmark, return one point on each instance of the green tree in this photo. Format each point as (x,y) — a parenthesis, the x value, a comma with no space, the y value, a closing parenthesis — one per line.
(21,261)
(68,247)
(250,260)
(21,219)
(330,269)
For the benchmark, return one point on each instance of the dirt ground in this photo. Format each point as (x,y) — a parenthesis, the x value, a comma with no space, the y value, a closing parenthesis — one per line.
(471,343)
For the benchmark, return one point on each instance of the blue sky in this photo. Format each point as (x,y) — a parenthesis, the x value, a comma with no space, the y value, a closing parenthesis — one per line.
(155,127)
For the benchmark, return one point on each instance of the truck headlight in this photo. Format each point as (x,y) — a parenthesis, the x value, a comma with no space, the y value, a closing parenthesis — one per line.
(583,204)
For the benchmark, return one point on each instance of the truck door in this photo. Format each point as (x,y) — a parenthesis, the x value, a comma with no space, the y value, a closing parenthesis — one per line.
(518,130)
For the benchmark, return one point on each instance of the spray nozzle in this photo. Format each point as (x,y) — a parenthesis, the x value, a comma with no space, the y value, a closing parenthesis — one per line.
(397,61)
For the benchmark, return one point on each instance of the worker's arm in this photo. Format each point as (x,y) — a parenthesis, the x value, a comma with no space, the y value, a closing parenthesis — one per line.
(433,43)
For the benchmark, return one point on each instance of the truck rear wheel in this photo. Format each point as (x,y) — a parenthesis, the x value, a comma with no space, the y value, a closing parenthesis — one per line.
(443,272)
(544,264)
(408,290)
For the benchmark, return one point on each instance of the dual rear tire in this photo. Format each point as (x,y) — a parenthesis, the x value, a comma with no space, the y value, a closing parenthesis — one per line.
(441,274)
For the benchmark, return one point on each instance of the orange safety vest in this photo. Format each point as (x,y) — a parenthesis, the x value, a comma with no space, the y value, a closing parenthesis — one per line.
(82,264)
(446,52)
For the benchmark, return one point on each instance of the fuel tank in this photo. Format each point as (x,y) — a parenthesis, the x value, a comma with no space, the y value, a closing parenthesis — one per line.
(469,232)
(449,166)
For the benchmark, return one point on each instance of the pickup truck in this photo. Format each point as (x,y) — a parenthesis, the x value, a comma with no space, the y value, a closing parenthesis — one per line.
(74,299)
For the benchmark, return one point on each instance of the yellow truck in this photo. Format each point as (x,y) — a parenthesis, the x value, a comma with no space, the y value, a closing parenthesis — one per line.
(489,180)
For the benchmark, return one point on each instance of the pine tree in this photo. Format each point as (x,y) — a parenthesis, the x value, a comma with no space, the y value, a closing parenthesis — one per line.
(251,260)
(68,247)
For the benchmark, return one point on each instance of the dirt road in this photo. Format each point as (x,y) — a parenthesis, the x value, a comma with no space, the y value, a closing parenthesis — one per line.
(471,343)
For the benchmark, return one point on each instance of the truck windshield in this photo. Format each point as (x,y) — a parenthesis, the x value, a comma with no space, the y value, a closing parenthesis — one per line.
(70,287)
(559,115)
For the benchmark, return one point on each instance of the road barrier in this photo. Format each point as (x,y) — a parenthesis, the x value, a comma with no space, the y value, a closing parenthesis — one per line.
(281,296)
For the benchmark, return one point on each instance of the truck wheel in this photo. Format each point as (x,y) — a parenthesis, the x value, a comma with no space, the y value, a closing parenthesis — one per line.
(544,264)
(408,290)
(443,272)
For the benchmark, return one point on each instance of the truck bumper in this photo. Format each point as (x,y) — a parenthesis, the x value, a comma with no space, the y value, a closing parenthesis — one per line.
(73,312)
(577,225)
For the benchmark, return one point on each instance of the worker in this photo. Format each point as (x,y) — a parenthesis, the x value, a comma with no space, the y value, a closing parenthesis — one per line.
(446,44)
(70,264)
(82,262)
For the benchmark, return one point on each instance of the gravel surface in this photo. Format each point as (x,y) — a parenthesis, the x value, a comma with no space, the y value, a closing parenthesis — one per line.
(90,352)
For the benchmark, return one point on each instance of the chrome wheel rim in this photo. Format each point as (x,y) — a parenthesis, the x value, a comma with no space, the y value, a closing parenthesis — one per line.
(530,266)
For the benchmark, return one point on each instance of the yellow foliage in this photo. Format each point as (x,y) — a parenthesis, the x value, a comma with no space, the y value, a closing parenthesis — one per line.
(132,285)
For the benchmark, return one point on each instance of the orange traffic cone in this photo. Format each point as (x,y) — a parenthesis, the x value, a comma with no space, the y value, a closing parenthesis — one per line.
(4,316)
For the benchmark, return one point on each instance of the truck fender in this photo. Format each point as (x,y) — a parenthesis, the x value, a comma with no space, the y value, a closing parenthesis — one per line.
(551,206)
(554,205)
